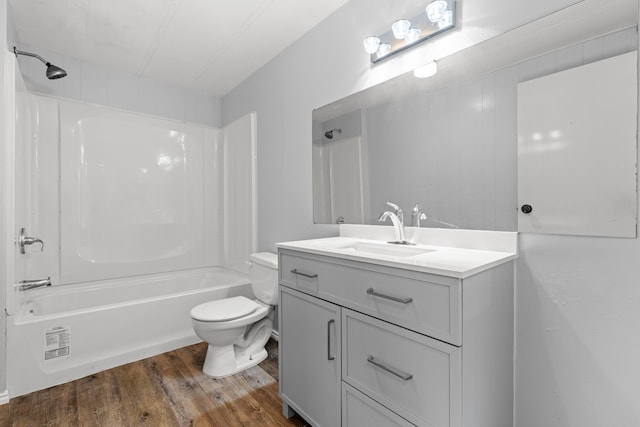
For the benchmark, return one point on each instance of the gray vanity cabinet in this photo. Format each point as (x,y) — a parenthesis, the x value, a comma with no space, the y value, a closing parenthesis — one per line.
(369,345)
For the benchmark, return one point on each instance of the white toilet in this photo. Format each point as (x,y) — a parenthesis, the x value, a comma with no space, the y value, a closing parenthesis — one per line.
(238,328)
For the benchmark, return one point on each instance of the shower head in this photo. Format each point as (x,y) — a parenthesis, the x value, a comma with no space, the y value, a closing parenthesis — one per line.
(53,72)
(329,134)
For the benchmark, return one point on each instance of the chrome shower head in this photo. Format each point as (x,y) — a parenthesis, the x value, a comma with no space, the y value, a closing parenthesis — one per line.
(329,134)
(53,72)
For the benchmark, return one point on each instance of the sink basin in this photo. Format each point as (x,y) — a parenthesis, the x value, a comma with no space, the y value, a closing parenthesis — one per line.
(385,249)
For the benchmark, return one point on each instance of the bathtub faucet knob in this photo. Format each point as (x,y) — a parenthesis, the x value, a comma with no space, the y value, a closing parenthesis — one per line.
(24,240)
(25,285)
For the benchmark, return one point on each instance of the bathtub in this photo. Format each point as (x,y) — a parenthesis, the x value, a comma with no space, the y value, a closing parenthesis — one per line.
(63,333)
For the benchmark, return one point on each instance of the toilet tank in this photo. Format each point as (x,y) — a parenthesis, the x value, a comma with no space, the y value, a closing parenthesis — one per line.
(264,276)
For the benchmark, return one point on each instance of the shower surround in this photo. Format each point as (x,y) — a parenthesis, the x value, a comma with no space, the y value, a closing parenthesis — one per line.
(141,218)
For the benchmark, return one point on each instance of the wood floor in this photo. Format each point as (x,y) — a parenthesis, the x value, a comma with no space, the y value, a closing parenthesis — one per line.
(166,390)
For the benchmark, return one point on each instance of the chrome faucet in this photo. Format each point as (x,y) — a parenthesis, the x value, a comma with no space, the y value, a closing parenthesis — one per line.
(23,240)
(417,214)
(397,211)
(25,285)
(398,223)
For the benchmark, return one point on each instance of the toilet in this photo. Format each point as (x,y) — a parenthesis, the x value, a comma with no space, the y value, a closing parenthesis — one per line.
(238,328)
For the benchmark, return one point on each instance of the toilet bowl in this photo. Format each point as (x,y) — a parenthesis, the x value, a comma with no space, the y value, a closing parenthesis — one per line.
(238,328)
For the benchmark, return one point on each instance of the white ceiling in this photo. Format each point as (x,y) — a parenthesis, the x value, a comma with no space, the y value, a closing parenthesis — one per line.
(205,45)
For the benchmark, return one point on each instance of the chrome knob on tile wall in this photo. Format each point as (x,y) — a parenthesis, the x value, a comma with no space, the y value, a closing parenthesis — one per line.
(526,209)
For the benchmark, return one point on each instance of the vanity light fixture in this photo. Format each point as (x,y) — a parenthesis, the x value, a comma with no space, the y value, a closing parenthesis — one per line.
(438,17)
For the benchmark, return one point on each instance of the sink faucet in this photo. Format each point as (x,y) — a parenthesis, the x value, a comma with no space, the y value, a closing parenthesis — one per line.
(398,224)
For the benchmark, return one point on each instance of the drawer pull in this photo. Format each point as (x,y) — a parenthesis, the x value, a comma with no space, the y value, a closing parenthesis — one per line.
(329,355)
(385,367)
(407,300)
(307,275)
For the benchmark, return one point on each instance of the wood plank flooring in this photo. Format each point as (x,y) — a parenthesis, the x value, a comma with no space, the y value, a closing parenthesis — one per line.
(166,390)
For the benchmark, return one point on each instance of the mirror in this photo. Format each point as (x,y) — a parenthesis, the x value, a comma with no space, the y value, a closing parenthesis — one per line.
(449,142)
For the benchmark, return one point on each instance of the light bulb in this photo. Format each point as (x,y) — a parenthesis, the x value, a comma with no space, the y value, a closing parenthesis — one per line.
(371,44)
(400,28)
(447,20)
(412,35)
(435,10)
(383,50)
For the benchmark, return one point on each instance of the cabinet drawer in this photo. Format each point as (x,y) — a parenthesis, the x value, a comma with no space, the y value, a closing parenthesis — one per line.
(358,410)
(301,273)
(417,377)
(425,303)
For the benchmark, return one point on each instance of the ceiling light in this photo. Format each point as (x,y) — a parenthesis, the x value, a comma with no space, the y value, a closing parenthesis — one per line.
(371,44)
(400,28)
(427,70)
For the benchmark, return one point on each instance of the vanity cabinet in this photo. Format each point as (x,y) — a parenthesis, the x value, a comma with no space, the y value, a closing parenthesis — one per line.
(408,347)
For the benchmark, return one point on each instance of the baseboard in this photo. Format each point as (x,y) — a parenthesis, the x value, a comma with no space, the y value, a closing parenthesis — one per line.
(275,335)
(4,397)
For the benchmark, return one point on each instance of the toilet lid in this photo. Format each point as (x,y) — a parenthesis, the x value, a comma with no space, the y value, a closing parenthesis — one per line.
(224,309)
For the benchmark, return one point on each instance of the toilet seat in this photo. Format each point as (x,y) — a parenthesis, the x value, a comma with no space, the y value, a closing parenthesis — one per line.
(224,310)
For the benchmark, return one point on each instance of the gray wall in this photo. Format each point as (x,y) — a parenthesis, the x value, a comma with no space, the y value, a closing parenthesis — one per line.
(577,298)
(578,307)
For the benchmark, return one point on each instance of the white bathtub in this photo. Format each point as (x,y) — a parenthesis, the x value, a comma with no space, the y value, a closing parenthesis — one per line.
(88,327)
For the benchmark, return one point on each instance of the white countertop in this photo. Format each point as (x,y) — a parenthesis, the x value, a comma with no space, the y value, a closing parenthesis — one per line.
(453,261)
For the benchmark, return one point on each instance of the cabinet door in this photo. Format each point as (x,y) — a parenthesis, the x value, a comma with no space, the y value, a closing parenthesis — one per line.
(310,356)
(577,150)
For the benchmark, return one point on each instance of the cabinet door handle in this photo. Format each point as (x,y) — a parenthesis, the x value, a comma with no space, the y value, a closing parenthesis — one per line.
(391,370)
(407,300)
(300,273)
(329,355)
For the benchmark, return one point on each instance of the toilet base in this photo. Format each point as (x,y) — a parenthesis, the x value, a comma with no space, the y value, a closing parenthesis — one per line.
(221,362)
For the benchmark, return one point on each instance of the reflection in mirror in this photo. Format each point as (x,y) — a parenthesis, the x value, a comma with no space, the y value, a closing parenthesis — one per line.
(338,187)
(448,142)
